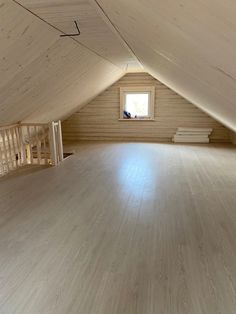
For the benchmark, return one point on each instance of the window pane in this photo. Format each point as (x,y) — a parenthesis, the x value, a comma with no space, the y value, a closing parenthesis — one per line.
(137,104)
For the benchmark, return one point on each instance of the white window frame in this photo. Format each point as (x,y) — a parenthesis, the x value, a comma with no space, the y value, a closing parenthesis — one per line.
(138,89)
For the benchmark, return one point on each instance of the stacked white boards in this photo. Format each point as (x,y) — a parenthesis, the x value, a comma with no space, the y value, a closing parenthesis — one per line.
(192,135)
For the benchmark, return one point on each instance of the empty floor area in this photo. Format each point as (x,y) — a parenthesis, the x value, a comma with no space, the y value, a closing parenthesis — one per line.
(122,228)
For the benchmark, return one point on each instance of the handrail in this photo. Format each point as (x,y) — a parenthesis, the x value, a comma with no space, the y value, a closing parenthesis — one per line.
(9,126)
(33,124)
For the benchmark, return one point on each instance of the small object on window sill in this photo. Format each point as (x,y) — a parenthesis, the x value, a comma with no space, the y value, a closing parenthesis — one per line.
(127,115)
(136,119)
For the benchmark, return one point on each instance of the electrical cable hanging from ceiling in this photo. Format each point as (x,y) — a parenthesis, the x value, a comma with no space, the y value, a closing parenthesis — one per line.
(75,34)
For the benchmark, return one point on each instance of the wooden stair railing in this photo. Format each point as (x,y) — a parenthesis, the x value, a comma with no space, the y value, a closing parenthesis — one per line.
(30,144)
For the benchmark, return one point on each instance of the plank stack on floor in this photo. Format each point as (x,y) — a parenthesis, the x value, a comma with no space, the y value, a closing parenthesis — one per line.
(192,135)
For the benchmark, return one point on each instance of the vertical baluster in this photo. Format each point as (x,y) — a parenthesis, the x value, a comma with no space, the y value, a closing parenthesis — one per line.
(30,153)
(53,153)
(56,141)
(18,144)
(5,150)
(45,148)
(2,169)
(14,150)
(60,142)
(37,145)
(22,144)
(10,160)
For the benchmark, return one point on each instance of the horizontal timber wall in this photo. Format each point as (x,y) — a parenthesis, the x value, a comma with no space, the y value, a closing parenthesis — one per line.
(99,120)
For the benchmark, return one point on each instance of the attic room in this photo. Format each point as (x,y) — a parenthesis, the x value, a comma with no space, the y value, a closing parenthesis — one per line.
(117,157)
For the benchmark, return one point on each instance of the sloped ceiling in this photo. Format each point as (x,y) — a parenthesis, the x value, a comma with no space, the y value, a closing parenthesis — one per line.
(93,24)
(44,76)
(189,45)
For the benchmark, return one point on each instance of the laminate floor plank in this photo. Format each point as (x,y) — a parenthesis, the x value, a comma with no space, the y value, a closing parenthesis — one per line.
(122,228)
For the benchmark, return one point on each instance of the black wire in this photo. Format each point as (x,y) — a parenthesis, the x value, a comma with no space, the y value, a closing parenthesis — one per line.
(69,35)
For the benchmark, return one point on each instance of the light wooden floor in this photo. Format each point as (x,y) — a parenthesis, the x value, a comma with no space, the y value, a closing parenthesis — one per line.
(122,229)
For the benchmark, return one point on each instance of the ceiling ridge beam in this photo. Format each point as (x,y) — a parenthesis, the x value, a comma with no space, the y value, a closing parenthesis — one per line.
(60,31)
(114,29)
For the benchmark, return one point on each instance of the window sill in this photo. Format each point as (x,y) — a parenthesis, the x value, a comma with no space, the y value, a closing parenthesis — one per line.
(137,120)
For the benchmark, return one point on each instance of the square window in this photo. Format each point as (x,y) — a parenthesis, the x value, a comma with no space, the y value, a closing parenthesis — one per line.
(137,103)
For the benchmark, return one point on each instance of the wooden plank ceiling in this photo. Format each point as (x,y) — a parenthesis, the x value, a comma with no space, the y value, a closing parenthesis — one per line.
(44,76)
(95,31)
(188,45)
